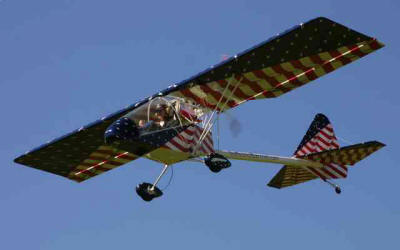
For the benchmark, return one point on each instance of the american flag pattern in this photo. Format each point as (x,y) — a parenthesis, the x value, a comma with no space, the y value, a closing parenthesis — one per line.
(273,81)
(101,160)
(269,69)
(349,155)
(187,142)
(319,138)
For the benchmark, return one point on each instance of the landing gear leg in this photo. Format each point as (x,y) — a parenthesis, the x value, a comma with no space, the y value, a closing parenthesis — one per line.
(149,191)
(338,190)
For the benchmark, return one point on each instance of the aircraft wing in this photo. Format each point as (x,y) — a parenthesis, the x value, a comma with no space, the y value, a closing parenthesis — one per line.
(80,154)
(278,65)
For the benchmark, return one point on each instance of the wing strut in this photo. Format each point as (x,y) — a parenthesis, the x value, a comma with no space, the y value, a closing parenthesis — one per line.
(210,122)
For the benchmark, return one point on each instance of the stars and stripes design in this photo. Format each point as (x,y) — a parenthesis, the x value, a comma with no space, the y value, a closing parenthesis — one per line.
(270,69)
(349,155)
(273,81)
(101,160)
(321,137)
(318,138)
(187,141)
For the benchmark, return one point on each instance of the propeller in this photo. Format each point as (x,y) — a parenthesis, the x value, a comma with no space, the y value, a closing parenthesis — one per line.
(235,126)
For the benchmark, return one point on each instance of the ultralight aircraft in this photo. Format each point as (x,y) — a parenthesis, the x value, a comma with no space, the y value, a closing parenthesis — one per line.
(175,124)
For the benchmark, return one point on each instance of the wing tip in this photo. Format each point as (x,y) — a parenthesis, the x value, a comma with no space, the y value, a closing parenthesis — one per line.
(377,143)
(273,185)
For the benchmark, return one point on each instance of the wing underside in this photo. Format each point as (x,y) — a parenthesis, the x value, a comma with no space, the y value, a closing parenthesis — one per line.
(79,155)
(279,65)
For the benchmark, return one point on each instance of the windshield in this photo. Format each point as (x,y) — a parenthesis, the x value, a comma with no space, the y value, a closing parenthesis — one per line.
(165,112)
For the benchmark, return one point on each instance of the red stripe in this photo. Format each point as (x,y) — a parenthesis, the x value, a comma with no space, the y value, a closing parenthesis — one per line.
(217,96)
(356,50)
(338,56)
(329,128)
(318,60)
(309,71)
(316,173)
(115,163)
(336,170)
(177,145)
(253,85)
(209,148)
(87,172)
(320,146)
(300,150)
(327,144)
(197,136)
(335,144)
(289,75)
(238,92)
(327,173)
(127,157)
(190,94)
(329,137)
(312,150)
(374,44)
(344,168)
(271,80)
(188,131)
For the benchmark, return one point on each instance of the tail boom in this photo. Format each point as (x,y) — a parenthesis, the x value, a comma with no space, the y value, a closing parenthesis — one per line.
(292,161)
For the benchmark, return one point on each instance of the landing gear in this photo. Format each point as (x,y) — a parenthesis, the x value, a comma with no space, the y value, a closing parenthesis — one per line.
(216,162)
(148,191)
(338,190)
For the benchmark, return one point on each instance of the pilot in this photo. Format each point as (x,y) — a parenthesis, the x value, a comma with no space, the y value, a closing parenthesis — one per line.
(161,115)
(142,123)
(163,118)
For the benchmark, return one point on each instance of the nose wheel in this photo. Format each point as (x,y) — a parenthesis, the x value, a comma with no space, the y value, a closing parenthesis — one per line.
(148,191)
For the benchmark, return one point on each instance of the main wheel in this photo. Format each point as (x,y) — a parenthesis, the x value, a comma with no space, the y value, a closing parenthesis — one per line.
(216,162)
(338,190)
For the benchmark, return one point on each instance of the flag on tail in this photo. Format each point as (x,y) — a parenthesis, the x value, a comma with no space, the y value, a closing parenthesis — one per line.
(319,137)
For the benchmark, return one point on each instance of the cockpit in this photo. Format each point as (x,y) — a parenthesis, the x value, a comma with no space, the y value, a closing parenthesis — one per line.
(165,112)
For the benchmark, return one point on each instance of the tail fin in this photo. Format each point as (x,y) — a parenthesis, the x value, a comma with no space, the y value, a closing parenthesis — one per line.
(321,137)
(320,144)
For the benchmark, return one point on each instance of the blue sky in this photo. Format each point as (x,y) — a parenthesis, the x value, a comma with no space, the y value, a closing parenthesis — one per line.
(66,63)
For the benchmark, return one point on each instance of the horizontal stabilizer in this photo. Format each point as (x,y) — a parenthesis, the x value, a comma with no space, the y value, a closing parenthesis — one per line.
(349,155)
(289,176)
